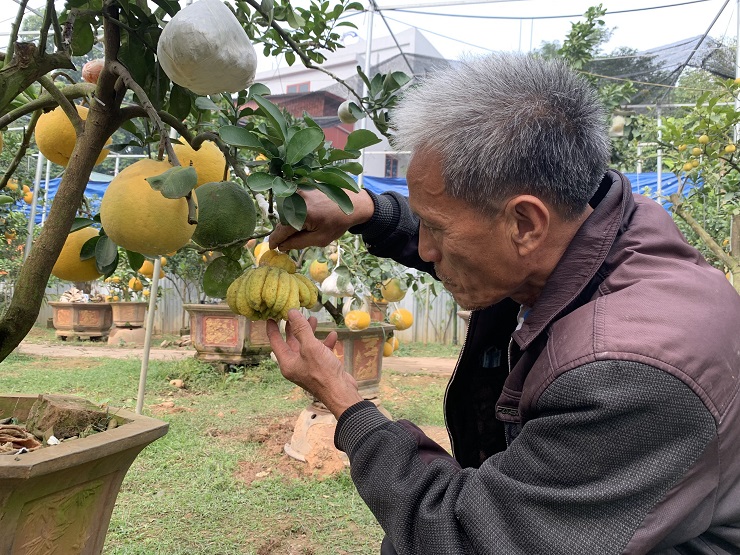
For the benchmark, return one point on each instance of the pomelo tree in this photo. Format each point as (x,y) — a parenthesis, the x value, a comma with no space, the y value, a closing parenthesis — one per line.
(700,148)
(130,90)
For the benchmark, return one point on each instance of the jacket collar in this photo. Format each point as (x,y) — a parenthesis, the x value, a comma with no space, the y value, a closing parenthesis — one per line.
(581,260)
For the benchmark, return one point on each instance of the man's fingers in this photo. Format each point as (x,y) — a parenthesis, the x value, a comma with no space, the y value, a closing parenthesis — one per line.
(277,343)
(331,340)
(299,326)
(280,234)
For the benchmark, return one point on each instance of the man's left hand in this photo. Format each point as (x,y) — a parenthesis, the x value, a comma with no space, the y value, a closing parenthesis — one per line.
(310,363)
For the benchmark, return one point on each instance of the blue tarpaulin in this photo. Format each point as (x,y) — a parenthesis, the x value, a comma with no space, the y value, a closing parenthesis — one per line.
(642,183)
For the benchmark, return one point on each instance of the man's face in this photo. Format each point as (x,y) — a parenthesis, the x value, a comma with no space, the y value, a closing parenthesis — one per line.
(471,252)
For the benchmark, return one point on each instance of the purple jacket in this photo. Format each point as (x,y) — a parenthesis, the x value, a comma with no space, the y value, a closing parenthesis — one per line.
(610,424)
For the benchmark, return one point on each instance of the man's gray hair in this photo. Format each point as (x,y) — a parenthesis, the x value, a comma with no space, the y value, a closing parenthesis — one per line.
(508,124)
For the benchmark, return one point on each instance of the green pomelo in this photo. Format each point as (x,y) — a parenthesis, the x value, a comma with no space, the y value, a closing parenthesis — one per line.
(226,213)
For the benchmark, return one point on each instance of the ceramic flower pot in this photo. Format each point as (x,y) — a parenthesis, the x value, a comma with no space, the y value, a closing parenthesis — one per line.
(83,320)
(59,499)
(224,338)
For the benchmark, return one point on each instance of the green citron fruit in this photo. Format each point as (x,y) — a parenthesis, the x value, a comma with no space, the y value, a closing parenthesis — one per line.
(226,213)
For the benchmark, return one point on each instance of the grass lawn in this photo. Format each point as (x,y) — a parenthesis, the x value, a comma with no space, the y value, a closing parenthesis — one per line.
(219,482)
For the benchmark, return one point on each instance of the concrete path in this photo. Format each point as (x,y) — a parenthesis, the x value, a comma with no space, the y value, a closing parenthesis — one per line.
(411,365)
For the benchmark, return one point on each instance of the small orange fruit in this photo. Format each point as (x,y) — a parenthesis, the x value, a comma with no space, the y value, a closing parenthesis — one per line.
(357,320)
(135,284)
(387,349)
(401,318)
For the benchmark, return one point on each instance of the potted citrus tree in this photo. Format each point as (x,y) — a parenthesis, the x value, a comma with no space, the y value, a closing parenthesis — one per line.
(158,77)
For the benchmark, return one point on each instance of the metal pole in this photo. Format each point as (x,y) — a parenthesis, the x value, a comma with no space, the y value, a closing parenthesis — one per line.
(148,334)
(737,66)
(46,193)
(32,216)
(368,51)
(660,158)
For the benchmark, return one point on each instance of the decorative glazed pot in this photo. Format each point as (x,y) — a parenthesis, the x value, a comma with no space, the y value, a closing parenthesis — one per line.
(361,352)
(129,314)
(59,499)
(224,338)
(84,320)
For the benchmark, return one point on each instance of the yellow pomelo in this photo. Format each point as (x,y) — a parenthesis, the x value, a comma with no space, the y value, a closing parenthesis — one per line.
(226,214)
(261,249)
(401,318)
(68,266)
(147,269)
(318,271)
(357,320)
(391,290)
(209,162)
(140,219)
(56,138)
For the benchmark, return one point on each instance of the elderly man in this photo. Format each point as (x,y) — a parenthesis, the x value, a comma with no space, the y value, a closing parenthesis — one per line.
(594,408)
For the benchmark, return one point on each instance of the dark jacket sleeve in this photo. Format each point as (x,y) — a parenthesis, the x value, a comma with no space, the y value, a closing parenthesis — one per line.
(393,231)
(608,442)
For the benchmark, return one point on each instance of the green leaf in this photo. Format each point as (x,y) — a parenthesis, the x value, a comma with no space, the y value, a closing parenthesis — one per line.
(361,138)
(290,57)
(83,38)
(205,103)
(337,154)
(354,168)
(310,122)
(106,252)
(240,137)
(267,7)
(135,260)
(283,188)
(338,196)
(175,182)
(171,7)
(219,274)
(108,270)
(88,248)
(79,223)
(335,177)
(273,115)
(258,89)
(5,199)
(180,102)
(293,210)
(234,252)
(304,142)
(260,182)
(294,20)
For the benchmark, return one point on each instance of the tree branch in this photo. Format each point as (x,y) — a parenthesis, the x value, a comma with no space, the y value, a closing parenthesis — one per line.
(16,27)
(120,70)
(705,237)
(69,108)
(21,150)
(46,101)
(307,62)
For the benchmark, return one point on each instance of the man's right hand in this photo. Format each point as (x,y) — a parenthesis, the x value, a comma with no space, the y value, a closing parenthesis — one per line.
(325,221)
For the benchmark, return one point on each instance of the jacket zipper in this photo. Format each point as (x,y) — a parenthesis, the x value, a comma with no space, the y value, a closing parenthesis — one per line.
(473,314)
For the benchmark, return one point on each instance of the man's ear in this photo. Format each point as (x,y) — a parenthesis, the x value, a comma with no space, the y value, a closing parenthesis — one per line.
(528,220)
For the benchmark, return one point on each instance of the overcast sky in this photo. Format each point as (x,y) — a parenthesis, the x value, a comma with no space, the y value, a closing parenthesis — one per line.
(527,23)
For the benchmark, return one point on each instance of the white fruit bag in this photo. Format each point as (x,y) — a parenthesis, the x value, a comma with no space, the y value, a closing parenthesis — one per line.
(204,48)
